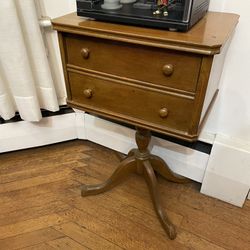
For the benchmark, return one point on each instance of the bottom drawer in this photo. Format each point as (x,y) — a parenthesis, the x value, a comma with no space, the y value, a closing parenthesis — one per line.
(130,103)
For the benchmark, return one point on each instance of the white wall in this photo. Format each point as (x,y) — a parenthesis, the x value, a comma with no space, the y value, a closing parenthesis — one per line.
(56,8)
(231,112)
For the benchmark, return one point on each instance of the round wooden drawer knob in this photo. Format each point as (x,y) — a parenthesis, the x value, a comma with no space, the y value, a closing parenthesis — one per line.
(163,113)
(85,53)
(168,69)
(88,93)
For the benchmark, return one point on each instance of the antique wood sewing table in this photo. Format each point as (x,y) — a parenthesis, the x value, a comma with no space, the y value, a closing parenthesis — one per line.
(154,79)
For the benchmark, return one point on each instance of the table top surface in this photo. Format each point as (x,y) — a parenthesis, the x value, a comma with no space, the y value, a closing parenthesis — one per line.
(206,37)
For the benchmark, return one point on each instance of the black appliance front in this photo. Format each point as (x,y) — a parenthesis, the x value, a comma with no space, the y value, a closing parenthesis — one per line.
(165,14)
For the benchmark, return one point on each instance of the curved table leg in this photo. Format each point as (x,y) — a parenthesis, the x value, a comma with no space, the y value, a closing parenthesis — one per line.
(153,188)
(131,152)
(161,167)
(122,157)
(126,167)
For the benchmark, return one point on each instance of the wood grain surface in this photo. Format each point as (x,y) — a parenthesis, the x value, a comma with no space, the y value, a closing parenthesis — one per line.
(41,207)
(207,37)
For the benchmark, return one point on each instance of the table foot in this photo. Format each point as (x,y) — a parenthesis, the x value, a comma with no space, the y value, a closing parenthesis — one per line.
(124,169)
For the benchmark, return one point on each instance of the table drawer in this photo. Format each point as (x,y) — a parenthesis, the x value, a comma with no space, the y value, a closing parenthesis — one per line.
(130,103)
(166,68)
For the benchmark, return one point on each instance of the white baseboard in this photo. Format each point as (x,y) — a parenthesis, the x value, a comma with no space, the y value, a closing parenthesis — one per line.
(22,135)
(225,174)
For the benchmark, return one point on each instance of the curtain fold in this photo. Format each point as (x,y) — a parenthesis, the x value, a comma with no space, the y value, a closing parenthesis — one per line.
(26,83)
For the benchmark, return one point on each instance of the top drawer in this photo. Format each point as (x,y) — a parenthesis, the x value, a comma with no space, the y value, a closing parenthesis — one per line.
(148,64)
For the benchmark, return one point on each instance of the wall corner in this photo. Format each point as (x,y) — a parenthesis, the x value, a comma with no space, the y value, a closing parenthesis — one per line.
(80,124)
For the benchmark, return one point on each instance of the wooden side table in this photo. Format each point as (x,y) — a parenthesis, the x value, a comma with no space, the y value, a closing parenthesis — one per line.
(153,79)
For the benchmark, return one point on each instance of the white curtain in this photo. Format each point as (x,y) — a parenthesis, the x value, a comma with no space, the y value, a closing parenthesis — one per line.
(26,83)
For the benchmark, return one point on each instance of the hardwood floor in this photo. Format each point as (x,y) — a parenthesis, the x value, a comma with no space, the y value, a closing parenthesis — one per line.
(41,206)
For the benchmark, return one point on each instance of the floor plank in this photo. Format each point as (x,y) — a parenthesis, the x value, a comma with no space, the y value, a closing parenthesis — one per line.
(65,243)
(30,225)
(42,246)
(85,237)
(29,239)
(32,211)
(34,181)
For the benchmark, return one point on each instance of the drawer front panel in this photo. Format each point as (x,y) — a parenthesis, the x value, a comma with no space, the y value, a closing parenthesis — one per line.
(148,64)
(120,100)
